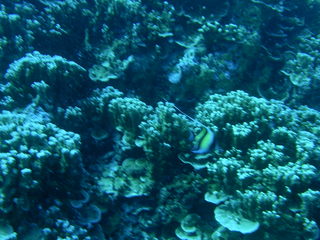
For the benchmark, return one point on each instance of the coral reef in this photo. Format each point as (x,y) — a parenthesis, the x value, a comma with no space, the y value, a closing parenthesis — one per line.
(35,156)
(137,182)
(265,160)
(135,119)
(164,132)
(45,80)
(127,114)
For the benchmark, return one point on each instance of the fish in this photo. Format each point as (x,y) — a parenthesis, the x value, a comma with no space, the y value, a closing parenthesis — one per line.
(204,139)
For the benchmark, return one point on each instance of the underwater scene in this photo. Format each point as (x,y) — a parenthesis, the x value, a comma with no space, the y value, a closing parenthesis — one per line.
(159,120)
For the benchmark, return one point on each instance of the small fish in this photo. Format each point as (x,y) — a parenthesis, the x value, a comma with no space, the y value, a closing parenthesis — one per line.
(202,141)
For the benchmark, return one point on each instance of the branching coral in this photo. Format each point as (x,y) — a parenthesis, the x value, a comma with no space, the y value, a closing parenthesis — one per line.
(35,155)
(44,26)
(259,179)
(127,114)
(44,79)
(163,132)
(266,149)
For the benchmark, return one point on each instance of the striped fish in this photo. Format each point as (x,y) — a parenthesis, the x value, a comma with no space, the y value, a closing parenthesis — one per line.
(203,141)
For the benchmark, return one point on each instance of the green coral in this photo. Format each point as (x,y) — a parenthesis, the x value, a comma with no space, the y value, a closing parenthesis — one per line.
(266,149)
(191,228)
(179,198)
(259,180)
(300,70)
(234,222)
(127,114)
(164,132)
(110,68)
(93,112)
(32,151)
(215,33)
(133,178)
(43,79)
(24,28)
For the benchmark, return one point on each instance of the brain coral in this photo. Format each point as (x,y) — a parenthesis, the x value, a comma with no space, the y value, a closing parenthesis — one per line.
(265,163)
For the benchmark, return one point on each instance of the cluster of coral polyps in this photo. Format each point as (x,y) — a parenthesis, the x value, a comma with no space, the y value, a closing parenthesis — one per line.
(264,166)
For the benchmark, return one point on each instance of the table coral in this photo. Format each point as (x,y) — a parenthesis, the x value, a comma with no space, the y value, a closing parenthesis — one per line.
(132,178)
